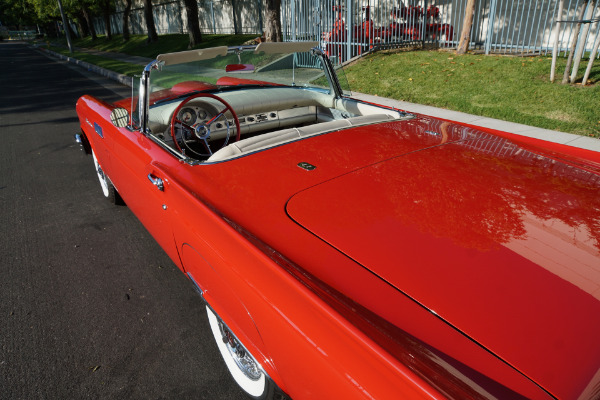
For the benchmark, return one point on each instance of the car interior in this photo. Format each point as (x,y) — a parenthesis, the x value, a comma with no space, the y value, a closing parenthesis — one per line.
(268,117)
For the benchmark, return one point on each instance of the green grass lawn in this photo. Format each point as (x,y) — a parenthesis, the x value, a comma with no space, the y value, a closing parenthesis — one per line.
(107,63)
(516,89)
(138,46)
(510,88)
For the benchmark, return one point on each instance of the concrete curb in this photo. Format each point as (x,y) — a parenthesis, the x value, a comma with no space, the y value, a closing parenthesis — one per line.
(122,79)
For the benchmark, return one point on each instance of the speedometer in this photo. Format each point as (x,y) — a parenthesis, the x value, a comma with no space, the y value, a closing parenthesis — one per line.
(188,116)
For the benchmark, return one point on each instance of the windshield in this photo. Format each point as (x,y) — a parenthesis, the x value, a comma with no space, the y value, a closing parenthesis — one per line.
(241,66)
(300,64)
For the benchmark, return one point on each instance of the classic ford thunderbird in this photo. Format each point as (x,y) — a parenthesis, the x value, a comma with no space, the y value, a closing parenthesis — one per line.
(349,250)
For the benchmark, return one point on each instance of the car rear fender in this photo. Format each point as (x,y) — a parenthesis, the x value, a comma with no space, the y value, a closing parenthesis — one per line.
(260,303)
(215,291)
(203,263)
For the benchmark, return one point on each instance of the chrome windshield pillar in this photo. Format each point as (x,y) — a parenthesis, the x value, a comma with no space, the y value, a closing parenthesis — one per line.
(144,95)
(329,72)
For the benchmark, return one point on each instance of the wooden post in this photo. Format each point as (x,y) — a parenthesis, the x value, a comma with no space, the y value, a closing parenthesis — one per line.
(556,40)
(574,44)
(465,35)
(581,48)
(591,62)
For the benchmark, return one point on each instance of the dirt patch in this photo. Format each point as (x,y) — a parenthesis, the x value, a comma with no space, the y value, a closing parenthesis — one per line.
(559,116)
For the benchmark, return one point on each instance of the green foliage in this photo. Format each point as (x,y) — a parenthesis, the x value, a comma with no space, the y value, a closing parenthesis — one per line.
(515,89)
(31,12)
(17,13)
(45,10)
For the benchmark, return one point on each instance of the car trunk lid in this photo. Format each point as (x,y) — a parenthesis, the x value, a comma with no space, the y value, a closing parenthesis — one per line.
(501,242)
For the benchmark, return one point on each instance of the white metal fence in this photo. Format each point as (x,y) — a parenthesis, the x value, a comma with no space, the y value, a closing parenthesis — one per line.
(347,28)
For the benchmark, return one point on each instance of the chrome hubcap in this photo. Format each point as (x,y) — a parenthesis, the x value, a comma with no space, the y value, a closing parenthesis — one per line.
(240,356)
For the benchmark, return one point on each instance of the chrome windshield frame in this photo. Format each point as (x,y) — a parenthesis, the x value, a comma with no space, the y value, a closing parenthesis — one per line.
(144,95)
(144,89)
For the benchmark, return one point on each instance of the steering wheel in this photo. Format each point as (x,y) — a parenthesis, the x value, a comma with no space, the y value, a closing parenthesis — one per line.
(200,132)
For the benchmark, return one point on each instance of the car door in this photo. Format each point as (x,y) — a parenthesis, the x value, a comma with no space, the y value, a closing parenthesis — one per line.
(138,166)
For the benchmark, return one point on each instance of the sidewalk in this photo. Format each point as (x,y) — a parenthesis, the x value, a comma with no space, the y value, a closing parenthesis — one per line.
(570,139)
(582,142)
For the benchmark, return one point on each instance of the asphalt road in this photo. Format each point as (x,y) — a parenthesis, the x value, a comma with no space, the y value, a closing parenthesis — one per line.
(90,305)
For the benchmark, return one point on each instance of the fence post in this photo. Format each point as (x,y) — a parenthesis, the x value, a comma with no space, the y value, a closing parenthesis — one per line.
(349,29)
(490,31)
(180,17)
(260,19)
(212,13)
(557,33)
(293,12)
(424,23)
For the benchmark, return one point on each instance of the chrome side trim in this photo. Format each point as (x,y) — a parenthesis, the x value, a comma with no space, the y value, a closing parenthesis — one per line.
(196,286)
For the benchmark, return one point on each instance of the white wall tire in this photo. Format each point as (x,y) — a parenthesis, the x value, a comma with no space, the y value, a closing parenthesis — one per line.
(251,378)
(108,190)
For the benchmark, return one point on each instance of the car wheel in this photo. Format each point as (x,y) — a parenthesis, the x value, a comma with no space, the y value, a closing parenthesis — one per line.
(244,369)
(106,185)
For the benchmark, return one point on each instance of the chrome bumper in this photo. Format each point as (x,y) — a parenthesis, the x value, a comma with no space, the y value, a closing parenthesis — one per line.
(85,144)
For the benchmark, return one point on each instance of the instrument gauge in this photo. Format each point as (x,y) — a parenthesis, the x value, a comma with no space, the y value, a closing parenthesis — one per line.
(188,116)
(202,114)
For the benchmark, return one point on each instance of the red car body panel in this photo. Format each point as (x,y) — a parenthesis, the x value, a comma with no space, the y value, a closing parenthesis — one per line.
(408,264)
(424,238)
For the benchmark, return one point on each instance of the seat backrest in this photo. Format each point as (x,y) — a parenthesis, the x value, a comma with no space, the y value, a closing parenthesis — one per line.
(276,138)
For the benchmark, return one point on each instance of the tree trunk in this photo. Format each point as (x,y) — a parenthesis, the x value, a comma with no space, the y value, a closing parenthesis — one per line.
(574,44)
(149,16)
(90,23)
(82,24)
(106,17)
(126,13)
(107,26)
(465,35)
(273,21)
(193,24)
(584,35)
(236,29)
(591,62)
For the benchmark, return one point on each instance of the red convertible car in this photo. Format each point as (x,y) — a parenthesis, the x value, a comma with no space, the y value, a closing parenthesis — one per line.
(350,250)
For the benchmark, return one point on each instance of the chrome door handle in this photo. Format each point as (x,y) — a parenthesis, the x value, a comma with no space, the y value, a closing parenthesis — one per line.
(157,182)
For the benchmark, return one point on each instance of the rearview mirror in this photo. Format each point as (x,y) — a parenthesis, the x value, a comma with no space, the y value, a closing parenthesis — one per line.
(119,117)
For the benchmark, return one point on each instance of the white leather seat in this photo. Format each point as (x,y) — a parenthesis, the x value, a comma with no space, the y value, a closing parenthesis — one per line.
(276,138)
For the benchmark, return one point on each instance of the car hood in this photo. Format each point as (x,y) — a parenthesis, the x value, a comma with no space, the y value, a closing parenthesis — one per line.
(500,242)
